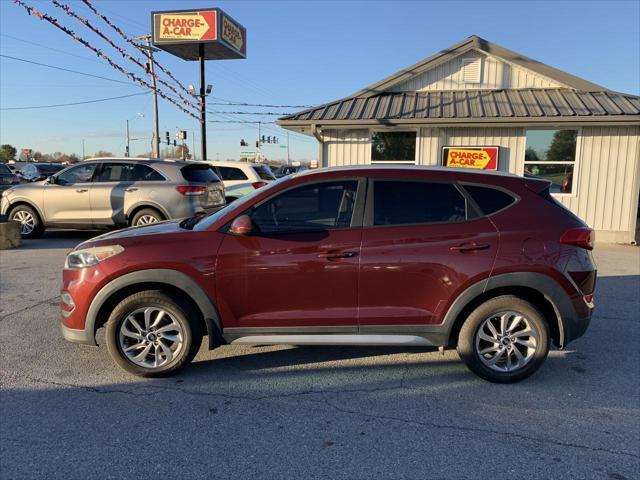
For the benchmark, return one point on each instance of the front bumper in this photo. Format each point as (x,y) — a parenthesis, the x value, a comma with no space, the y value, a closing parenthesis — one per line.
(77,336)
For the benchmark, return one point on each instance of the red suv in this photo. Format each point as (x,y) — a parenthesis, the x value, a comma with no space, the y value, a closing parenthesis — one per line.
(487,263)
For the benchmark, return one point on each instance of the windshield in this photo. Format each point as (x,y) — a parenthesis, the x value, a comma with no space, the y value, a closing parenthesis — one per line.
(209,220)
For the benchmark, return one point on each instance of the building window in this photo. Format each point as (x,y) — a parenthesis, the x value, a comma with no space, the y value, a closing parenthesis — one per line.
(393,147)
(551,154)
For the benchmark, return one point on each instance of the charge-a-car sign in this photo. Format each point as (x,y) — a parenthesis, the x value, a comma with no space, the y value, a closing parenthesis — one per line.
(185,26)
(209,34)
(482,158)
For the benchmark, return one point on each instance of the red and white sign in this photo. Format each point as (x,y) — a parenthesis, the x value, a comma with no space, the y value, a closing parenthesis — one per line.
(185,26)
(482,158)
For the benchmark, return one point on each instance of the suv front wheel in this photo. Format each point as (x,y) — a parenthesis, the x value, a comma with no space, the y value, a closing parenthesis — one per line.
(149,334)
(504,340)
(30,224)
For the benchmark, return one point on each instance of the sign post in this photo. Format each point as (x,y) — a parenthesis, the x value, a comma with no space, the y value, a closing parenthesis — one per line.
(199,35)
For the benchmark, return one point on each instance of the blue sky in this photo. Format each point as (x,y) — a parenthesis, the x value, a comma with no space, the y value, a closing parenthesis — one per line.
(299,53)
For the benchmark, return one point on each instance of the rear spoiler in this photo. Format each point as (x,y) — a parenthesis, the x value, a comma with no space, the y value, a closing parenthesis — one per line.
(536,185)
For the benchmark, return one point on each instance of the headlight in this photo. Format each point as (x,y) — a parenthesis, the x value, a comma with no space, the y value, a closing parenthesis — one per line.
(7,192)
(88,257)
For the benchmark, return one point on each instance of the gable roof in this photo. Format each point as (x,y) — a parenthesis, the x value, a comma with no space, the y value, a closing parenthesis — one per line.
(476,43)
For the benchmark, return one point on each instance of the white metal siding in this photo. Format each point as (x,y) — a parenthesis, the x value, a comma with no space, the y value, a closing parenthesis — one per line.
(607,183)
(345,147)
(510,140)
(496,74)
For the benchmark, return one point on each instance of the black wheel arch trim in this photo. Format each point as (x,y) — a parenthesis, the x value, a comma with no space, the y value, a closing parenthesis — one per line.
(171,278)
(544,284)
(141,205)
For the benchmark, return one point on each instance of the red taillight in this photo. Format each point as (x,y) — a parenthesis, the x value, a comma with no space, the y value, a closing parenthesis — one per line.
(190,190)
(257,185)
(582,237)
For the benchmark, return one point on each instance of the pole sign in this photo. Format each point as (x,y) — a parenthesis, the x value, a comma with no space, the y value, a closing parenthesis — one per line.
(181,32)
(482,158)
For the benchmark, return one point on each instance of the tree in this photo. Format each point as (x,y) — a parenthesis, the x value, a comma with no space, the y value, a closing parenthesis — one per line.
(7,153)
(530,155)
(182,149)
(102,153)
(563,146)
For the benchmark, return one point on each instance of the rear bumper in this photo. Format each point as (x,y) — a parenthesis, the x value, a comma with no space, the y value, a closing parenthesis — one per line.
(575,326)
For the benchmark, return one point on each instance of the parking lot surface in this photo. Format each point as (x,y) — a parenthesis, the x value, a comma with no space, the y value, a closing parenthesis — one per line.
(332,412)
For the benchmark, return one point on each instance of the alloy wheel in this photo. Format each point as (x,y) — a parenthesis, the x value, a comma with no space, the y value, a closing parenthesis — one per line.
(146,220)
(151,337)
(27,221)
(506,341)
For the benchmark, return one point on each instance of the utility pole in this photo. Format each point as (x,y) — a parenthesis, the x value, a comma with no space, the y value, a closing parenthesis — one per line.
(127,151)
(155,144)
(83,149)
(203,119)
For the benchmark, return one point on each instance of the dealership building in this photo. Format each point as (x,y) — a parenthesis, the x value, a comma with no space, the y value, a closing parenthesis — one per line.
(479,105)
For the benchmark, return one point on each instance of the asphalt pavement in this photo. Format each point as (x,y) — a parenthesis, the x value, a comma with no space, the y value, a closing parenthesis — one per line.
(66,411)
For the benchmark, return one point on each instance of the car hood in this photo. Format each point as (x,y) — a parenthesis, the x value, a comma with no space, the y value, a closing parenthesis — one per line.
(170,226)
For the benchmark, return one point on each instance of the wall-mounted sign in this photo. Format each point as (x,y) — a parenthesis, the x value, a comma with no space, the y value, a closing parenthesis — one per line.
(483,158)
(182,32)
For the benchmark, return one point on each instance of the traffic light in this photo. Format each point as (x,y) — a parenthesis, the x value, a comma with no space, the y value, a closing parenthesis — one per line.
(275,139)
(257,143)
(168,138)
(243,143)
(263,139)
(174,143)
(269,139)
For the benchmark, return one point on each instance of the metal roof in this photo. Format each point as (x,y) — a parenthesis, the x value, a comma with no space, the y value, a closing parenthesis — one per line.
(473,105)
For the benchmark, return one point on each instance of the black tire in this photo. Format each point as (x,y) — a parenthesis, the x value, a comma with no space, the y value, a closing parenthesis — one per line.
(146,213)
(181,312)
(24,211)
(506,303)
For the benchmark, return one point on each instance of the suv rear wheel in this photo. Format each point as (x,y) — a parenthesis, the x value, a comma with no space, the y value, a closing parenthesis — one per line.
(146,216)
(504,340)
(30,224)
(149,334)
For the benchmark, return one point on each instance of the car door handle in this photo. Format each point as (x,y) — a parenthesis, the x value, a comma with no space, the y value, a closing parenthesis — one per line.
(333,255)
(469,247)
(131,189)
(82,190)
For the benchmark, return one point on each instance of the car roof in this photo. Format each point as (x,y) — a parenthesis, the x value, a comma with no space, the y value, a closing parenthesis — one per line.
(164,161)
(233,163)
(364,169)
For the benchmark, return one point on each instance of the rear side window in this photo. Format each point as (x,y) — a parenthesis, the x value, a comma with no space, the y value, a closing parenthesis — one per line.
(199,174)
(231,173)
(403,203)
(264,173)
(4,168)
(488,199)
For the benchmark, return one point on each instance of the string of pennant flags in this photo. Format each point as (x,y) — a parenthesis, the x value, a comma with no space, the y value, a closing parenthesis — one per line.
(48,18)
(122,51)
(141,49)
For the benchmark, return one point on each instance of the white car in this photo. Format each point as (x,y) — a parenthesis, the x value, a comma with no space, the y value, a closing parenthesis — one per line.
(235,173)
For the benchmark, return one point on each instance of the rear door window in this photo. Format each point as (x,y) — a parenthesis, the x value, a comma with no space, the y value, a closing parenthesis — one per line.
(231,173)
(144,173)
(406,203)
(199,174)
(490,200)
(264,172)
(115,172)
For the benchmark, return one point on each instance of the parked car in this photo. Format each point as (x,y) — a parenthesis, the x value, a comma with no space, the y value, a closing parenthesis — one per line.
(7,177)
(234,173)
(34,172)
(487,263)
(114,192)
(235,192)
(12,167)
(285,170)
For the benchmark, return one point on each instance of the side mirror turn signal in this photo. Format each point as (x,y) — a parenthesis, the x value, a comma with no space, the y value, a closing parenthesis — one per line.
(241,225)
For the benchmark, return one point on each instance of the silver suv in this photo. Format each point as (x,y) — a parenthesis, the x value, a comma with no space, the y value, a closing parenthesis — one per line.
(113,192)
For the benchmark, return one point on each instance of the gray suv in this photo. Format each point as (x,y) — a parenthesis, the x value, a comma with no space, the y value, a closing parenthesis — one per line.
(114,192)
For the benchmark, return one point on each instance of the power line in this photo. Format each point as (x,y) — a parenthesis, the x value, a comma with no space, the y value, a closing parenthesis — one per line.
(250,113)
(66,69)
(75,103)
(245,104)
(41,45)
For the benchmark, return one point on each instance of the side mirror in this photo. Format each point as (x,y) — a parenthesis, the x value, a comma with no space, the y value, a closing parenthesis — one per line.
(241,225)
(51,180)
